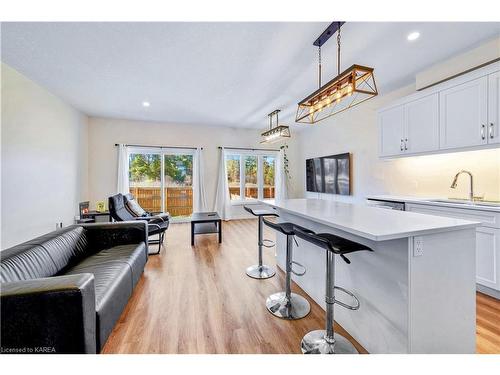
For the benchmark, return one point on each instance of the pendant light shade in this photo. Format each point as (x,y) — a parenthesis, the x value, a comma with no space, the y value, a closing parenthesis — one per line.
(352,87)
(276,133)
(349,88)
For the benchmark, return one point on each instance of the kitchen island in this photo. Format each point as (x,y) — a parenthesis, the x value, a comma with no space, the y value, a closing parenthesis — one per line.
(417,287)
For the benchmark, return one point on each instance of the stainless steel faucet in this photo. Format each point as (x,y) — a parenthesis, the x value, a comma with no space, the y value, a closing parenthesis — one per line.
(454,183)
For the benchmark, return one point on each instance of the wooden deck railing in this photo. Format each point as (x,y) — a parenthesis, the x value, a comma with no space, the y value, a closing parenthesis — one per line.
(179,200)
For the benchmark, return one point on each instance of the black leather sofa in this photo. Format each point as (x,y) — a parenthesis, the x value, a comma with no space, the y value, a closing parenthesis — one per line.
(63,292)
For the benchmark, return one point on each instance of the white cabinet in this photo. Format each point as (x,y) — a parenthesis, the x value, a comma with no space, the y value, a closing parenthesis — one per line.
(460,114)
(422,124)
(391,127)
(410,128)
(494,108)
(487,239)
(487,253)
(464,114)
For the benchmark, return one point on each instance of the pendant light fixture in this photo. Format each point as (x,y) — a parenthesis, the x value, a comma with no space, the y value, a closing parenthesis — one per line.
(277,133)
(349,88)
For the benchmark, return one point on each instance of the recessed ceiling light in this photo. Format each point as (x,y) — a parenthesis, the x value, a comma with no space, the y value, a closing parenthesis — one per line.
(413,36)
(146,104)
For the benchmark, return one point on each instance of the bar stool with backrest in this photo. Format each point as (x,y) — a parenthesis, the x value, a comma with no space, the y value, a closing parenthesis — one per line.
(287,305)
(327,341)
(260,270)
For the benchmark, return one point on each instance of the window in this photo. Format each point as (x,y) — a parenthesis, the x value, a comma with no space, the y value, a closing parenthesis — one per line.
(178,185)
(171,190)
(269,165)
(251,186)
(233,176)
(250,176)
(145,180)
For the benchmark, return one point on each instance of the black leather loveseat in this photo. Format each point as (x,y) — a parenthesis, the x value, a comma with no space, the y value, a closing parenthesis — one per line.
(63,292)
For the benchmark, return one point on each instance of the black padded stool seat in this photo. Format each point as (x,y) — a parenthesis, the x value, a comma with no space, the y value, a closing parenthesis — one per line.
(328,241)
(259,211)
(327,341)
(288,229)
(260,270)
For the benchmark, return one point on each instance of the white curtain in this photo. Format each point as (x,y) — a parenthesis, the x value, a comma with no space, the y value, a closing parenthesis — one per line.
(122,183)
(199,194)
(222,204)
(281,177)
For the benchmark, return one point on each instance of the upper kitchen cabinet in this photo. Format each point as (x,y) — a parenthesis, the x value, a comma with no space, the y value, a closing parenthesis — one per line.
(410,128)
(456,115)
(422,124)
(464,114)
(391,123)
(494,108)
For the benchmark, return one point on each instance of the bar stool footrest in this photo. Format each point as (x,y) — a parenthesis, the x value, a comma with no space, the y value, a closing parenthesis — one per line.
(268,243)
(300,265)
(345,305)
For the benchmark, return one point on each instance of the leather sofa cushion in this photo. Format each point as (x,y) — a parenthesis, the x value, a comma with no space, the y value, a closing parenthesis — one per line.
(113,288)
(135,256)
(31,262)
(116,272)
(67,247)
(43,256)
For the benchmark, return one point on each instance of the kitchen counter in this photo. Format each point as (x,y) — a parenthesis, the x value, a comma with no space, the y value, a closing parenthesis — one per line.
(482,206)
(417,288)
(369,222)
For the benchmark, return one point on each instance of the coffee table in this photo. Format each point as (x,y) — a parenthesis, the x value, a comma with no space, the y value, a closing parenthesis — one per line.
(205,223)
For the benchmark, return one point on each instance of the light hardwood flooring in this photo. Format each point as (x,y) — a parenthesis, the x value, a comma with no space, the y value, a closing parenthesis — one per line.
(199,300)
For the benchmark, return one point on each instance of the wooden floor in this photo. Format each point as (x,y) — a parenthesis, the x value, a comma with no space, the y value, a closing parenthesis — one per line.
(199,300)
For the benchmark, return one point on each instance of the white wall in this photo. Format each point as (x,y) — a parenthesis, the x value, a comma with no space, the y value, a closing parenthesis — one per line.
(104,133)
(44,159)
(355,131)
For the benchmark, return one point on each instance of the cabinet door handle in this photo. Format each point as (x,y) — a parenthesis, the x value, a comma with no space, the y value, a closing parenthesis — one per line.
(491,130)
(401,145)
(482,131)
(406,144)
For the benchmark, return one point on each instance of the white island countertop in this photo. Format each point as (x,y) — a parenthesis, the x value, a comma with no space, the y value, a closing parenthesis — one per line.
(369,222)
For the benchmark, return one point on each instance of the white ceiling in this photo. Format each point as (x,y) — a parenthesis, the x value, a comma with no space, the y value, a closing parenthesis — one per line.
(229,74)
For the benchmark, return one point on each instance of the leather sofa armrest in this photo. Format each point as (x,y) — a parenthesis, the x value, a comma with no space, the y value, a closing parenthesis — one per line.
(106,235)
(49,315)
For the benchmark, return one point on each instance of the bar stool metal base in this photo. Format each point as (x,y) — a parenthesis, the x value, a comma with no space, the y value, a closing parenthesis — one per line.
(261,272)
(314,343)
(295,308)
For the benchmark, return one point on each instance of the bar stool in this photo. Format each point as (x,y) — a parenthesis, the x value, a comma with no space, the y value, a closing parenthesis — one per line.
(327,341)
(287,305)
(261,271)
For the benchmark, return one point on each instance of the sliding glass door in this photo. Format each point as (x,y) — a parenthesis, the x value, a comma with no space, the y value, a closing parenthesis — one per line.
(170,191)
(178,185)
(145,180)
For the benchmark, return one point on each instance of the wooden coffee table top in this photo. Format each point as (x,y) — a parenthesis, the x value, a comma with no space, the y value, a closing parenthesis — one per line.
(204,217)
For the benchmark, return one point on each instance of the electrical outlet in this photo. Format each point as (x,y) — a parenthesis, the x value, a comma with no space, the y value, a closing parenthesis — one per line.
(418,247)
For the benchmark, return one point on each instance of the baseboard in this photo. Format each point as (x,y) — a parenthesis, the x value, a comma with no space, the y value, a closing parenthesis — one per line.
(488,291)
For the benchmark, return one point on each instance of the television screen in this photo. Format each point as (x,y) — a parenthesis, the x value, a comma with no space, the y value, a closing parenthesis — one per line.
(329,174)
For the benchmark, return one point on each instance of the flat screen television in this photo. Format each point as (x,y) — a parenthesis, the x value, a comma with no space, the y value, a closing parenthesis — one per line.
(329,174)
